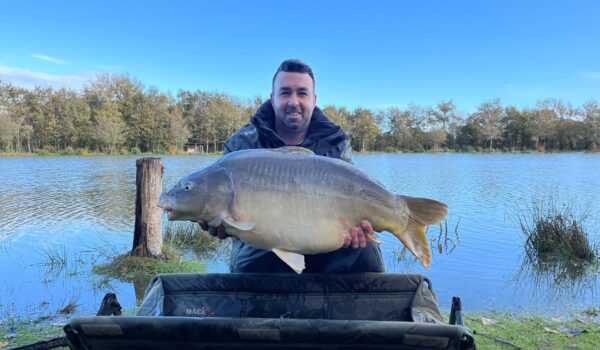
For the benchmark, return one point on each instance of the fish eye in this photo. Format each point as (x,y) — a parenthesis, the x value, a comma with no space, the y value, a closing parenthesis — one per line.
(188,187)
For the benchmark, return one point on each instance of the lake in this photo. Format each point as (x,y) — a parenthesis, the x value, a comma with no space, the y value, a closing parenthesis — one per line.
(59,215)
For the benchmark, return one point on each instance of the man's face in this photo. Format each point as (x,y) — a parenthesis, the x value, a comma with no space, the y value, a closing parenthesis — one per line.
(293,99)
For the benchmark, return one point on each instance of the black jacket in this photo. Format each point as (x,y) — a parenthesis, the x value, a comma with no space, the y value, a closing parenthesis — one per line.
(324,137)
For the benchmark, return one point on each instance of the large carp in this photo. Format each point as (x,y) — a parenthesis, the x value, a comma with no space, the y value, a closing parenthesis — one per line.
(293,202)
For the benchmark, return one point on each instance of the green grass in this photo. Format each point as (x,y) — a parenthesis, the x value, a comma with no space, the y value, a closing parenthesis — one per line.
(18,332)
(126,267)
(498,330)
(189,236)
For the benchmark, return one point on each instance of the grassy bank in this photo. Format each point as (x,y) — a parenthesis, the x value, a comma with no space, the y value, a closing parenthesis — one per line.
(499,330)
(18,332)
(496,330)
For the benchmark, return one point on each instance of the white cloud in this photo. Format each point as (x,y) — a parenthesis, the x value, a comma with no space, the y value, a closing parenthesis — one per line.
(49,59)
(30,79)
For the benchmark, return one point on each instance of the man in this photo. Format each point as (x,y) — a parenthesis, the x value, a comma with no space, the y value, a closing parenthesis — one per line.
(291,118)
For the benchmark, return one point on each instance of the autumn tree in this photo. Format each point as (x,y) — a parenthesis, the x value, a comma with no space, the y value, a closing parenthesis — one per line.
(591,115)
(178,132)
(363,129)
(110,127)
(489,120)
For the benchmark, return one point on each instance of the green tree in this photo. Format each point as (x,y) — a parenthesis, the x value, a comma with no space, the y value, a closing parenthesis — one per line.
(340,116)
(110,127)
(489,120)
(363,129)
(517,133)
(543,124)
(591,115)
(178,131)
(403,127)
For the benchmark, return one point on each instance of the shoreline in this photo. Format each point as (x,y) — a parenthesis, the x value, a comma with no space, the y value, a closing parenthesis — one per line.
(95,154)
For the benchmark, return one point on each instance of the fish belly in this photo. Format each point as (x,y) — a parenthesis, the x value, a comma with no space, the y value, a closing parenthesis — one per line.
(291,222)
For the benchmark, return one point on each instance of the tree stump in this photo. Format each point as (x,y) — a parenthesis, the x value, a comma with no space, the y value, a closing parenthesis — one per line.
(147,235)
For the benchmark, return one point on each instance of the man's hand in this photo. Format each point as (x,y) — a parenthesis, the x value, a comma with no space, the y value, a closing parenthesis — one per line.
(358,235)
(218,231)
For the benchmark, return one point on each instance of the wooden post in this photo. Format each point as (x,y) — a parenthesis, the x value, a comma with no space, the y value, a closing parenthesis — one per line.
(147,235)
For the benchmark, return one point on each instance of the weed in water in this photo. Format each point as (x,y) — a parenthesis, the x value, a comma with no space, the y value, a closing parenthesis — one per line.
(557,249)
(555,230)
(57,260)
(444,243)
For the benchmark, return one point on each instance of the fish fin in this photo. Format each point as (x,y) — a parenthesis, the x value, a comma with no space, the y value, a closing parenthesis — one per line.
(415,239)
(422,212)
(294,260)
(240,225)
(294,149)
(370,237)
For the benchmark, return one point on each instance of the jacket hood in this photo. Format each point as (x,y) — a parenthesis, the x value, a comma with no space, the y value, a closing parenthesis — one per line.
(322,135)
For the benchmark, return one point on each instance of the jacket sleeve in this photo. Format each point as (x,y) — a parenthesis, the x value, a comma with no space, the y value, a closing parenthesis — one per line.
(245,138)
(343,151)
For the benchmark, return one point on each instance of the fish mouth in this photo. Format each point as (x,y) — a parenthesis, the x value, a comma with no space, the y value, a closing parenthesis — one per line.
(170,213)
(167,209)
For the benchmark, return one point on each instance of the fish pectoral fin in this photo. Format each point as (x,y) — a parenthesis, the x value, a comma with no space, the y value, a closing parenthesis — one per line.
(240,225)
(294,260)
(370,237)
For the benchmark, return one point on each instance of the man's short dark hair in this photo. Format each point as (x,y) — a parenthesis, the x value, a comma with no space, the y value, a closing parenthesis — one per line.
(295,66)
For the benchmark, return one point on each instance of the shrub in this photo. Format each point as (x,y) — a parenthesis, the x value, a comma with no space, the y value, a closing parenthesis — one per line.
(47,150)
(69,151)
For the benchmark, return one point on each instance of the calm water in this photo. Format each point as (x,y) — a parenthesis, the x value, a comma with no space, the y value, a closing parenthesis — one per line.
(82,209)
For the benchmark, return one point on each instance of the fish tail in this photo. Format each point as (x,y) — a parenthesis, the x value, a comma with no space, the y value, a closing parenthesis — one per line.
(421,212)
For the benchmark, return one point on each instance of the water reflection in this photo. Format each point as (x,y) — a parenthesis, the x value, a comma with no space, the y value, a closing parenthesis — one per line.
(558,277)
(140,283)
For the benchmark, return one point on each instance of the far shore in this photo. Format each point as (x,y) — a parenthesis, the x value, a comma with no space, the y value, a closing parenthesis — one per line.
(149,154)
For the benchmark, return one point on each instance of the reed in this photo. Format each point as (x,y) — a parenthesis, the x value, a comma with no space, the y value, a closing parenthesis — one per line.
(556,231)
(189,236)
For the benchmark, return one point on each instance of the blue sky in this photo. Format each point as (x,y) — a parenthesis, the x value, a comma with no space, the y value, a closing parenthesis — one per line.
(371,54)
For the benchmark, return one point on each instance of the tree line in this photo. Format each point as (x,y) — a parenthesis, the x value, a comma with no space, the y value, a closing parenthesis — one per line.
(118,114)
